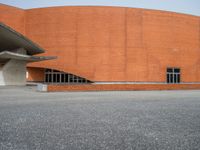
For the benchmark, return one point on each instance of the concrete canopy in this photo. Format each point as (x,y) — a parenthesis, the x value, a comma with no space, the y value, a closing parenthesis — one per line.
(10,39)
(15,52)
(5,55)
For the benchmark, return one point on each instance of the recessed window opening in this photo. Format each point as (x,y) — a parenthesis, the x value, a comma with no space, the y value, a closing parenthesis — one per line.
(58,77)
(173,75)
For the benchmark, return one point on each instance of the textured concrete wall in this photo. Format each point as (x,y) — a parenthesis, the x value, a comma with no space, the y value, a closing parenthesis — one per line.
(1,76)
(116,44)
(13,73)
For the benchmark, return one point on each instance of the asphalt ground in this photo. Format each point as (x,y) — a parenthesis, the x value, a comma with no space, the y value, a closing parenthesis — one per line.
(128,120)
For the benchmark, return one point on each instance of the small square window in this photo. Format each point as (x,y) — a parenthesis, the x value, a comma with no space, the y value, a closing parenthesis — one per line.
(173,75)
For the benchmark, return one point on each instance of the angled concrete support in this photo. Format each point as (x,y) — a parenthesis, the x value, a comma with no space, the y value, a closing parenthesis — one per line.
(13,73)
(15,52)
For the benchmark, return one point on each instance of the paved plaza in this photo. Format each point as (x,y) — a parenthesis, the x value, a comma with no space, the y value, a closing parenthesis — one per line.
(128,120)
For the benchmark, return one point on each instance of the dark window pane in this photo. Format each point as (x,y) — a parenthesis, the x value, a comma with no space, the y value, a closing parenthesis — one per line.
(46,78)
(171,78)
(170,70)
(175,78)
(62,78)
(178,79)
(56,71)
(168,78)
(58,78)
(48,70)
(176,70)
(50,77)
(54,78)
(66,77)
(71,79)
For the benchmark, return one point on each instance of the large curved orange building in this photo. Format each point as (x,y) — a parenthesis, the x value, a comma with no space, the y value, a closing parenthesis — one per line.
(112,44)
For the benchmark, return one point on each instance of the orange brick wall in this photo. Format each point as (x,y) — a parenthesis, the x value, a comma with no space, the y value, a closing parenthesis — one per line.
(115,43)
(35,74)
(121,87)
(13,17)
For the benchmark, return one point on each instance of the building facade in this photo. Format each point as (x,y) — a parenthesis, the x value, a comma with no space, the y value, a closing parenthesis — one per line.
(110,44)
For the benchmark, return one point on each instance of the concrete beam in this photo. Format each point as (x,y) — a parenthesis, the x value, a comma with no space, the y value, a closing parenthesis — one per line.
(5,55)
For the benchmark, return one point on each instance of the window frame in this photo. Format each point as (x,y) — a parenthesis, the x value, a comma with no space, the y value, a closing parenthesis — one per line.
(52,76)
(173,75)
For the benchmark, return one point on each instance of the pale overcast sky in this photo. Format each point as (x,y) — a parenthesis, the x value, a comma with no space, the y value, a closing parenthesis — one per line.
(182,6)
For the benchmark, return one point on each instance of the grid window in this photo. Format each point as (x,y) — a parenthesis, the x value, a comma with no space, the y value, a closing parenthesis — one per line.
(173,75)
(57,77)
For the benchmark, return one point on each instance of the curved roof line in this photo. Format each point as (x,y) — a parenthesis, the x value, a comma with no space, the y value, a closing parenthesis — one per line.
(6,5)
(11,39)
(141,8)
(125,7)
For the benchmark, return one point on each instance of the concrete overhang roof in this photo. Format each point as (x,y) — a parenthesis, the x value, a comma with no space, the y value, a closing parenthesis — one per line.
(6,55)
(11,39)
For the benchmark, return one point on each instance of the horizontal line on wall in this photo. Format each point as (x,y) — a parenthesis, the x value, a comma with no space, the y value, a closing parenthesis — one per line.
(131,82)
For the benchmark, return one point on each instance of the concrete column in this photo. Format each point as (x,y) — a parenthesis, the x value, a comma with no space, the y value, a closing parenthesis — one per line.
(13,72)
